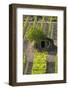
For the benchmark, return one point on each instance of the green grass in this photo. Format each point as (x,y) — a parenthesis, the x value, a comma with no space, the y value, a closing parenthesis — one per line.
(39,64)
(24,58)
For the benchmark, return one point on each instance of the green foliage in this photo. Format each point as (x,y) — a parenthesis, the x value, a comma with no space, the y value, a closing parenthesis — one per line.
(39,64)
(35,22)
(50,27)
(26,25)
(26,22)
(42,21)
(24,58)
(34,35)
(35,32)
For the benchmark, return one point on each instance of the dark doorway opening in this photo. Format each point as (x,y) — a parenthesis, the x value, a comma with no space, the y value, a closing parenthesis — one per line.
(42,44)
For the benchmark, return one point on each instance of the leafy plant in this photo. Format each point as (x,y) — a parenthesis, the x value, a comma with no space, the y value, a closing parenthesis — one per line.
(40,62)
(35,32)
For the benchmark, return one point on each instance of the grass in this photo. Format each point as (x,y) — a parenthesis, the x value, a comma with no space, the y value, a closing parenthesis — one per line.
(24,58)
(39,64)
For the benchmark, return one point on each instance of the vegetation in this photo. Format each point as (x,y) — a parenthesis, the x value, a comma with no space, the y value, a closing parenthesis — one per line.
(34,33)
(40,62)
(26,23)
(24,58)
(49,29)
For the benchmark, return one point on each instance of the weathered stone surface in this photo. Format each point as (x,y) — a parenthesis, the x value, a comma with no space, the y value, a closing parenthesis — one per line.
(50,58)
(30,52)
(29,70)
(50,67)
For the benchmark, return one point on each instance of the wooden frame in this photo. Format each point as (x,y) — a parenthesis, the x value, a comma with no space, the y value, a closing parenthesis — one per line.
(12,44)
